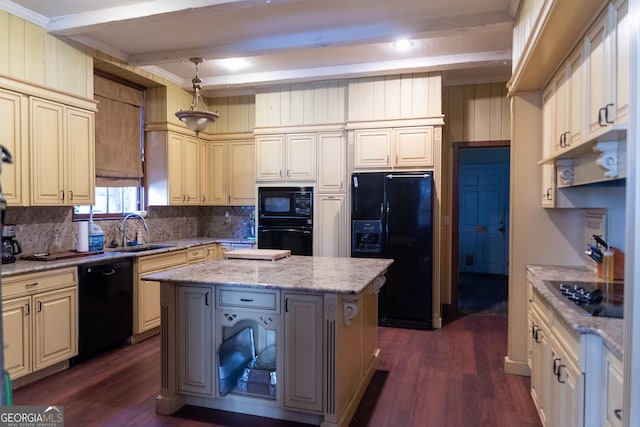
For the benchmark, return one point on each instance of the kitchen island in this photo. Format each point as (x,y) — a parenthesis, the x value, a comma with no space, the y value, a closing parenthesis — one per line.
(292,339)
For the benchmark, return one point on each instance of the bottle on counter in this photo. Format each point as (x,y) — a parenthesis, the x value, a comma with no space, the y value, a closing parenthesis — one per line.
(607,265)
(96,235)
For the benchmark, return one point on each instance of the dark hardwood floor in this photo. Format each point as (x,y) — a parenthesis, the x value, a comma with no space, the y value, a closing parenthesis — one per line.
(450,377)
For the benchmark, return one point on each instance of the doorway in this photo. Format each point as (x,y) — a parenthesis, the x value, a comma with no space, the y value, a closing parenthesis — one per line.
(480,226)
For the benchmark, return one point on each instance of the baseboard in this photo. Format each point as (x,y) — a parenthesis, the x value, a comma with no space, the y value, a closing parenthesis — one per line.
(516,367)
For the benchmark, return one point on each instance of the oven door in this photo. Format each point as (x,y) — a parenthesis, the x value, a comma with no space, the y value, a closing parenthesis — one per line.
(299,240)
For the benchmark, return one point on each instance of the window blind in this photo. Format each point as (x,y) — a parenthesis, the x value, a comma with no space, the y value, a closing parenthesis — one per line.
(118,133)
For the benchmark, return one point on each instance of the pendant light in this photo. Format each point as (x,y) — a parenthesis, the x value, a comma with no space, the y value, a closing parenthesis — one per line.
(197,120)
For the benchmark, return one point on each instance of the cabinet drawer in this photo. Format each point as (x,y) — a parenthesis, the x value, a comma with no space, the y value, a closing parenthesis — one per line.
(161,261)
(26,284)
(543,308)
(569,339)
(195,254)
(268,300)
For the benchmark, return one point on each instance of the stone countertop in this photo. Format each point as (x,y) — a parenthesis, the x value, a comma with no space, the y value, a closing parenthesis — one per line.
(611,330)
(295,273)
(20,267)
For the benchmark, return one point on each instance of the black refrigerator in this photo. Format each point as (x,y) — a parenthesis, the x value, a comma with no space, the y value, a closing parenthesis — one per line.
(391,217)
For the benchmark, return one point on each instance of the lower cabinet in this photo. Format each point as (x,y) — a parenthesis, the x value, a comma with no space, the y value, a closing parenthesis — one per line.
(613,383)
(39,315)
(303,351)
(146,293)
(195,330)
(331,226)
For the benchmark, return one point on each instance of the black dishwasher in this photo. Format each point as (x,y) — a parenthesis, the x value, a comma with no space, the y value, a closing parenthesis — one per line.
(105,307)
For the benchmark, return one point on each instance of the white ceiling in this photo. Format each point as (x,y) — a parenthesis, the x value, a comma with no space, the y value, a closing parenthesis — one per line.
(288,40)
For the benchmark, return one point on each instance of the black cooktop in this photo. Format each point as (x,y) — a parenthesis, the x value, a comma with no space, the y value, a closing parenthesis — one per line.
(591,298)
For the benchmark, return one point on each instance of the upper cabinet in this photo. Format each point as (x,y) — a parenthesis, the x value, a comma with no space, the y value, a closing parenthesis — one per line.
(402,147)
(172,169)
(241,175)
(13,134)
(62,154)
(286,157)
(586,101)
(332,163)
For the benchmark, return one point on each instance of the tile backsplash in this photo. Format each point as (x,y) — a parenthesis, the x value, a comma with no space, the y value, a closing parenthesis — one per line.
(51,229)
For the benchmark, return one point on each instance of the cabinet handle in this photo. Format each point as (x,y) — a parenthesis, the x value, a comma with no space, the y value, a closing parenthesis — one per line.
(70,195)
(61,194)
(246,299)
(206,298)
(202,199)
(559,374)
(39,306)
(561,140)
(286,305)
(387,159)
(341,183)
(606,114)
(396,158)
(280,173)
(288,172)
(31,285)
(618,413)
(547,195)
(28,310)
(555,365)
(600,121)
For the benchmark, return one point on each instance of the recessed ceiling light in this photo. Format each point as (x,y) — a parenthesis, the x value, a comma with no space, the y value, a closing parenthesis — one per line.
(234,64)
(403,44)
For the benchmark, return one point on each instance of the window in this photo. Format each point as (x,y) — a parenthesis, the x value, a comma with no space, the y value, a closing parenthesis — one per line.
(112,202)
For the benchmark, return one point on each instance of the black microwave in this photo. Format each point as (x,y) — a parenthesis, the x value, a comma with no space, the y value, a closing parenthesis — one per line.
(285,203)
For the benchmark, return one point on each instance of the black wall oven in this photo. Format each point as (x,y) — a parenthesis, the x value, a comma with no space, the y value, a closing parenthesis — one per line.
(285,219)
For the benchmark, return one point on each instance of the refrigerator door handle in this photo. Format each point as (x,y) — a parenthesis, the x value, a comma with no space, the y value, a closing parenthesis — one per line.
(412,175)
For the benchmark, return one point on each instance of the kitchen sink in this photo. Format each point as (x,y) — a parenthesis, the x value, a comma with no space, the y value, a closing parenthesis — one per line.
(139,248)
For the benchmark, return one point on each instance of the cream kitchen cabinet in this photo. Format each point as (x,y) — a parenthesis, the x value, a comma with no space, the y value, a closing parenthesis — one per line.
(146,293)
(332,163)
(409,147)
(286,157)
(195,325)
(228,172)
(14,136)
(241,175)
(607,69)
(62,143)
(40,323)
(612,398)
(331,225)
(303,350)
(172,169)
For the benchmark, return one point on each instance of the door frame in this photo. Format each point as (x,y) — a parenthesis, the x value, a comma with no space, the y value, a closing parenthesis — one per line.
(455,207)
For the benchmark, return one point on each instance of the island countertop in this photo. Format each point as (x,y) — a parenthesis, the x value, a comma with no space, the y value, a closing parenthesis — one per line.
(299,273)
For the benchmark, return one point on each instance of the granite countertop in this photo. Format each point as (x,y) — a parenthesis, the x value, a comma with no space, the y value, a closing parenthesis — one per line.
(609,329)
(299,273)
(20,267)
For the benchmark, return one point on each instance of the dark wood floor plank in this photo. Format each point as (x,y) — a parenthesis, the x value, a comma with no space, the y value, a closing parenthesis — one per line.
(449,377)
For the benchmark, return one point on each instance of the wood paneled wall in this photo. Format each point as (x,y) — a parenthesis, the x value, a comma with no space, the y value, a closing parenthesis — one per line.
(476,112)
(405,96)
(301,104)
(237,114)
(28,53)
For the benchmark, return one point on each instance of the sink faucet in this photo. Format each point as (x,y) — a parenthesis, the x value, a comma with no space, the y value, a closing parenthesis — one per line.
(124,227)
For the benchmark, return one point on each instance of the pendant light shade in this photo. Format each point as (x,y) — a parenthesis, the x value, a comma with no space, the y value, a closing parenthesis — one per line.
(197,120)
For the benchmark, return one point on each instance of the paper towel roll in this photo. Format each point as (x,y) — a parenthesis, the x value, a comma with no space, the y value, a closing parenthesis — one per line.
(83,237)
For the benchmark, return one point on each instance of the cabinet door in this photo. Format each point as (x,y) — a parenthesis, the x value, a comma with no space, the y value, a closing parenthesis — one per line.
(332,163)
(55,326)
(561,99)
(191,177)
(195,340)
(47,155)
(622,62)
(149,306)
(548,185)
(540,366)
(241,179)
(575,94)
(414,146)
(13,135)
(269,158)
(217,155)
(175,165)
(566,398)
(303,373)
(613,382)
(301,156)
(598,79)
(16,329)
(331,226)
(372,148)
(80,157)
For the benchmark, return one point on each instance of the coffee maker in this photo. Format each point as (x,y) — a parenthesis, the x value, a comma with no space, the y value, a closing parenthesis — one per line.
(10,246)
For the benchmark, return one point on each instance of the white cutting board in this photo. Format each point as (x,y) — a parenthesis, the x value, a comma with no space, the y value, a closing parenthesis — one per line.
(262,254)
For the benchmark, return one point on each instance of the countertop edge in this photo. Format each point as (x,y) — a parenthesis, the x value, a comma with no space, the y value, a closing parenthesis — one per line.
(610,330)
